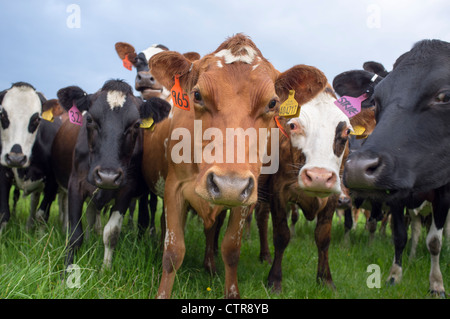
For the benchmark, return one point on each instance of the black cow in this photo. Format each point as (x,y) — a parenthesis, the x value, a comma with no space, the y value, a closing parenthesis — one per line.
(107,155)
(26,149)
(406,158)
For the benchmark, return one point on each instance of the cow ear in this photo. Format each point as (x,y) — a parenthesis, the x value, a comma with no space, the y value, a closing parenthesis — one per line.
(307,81)
(165,65)
(356,83)
(2,95)
(192,56)
(42,98)
(375,67)
(73,95)
(156,108)
(124,49)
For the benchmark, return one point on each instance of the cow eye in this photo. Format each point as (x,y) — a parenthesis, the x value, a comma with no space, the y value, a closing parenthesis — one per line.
(272,103)
(197,97)
(89,119)
(443,97)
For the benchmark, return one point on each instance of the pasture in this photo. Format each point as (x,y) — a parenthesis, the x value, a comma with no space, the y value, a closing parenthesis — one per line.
(31,264)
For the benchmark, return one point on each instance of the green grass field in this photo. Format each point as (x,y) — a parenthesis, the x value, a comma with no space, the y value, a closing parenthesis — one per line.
(31,264)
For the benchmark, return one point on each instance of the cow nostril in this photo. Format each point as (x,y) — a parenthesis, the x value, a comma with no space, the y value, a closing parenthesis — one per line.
(248,189)
(373,166)
(212,186)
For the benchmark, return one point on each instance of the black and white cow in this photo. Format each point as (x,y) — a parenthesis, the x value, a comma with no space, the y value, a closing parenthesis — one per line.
(107,155)
(406,158)
(25,151)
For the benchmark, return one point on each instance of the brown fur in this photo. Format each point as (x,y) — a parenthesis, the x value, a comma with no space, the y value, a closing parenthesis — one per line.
(123,49)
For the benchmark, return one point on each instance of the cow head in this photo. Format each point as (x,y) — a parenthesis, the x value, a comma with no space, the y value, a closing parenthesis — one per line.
(145,83)
(320,132)
(20,111)
(408,147)
(233,92)
(111,126)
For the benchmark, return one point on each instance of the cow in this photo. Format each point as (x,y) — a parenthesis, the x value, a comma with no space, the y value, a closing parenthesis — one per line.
(411,110)
(100,160)
(310,167)
(25,150)
(154,165)
(236,91)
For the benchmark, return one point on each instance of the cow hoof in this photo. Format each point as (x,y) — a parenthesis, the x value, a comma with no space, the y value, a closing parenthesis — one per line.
(265,258)
(438,294)
(391,282)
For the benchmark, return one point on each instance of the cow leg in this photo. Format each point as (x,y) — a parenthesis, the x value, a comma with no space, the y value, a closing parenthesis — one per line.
(210,247)
(16,196)
(262,211)
(375,215)
(220,220)
(416,226)
(231,248)
(131,211)
(63,202)
(400,238)
(153,203)
(50,190)
(92,217)
(111,235)
(75,203)
(5,186)
(174,246)
(281,237)
(294,218)
(143,216)
(34,201)
(322,236)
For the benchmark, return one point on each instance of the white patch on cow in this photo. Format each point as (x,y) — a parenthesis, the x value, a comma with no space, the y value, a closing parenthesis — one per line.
(115,99)
(28,186)
(219,64)
(255,66)
(20,104)
(318,120)
(151,51)
(169,239)
(246,55)
(111,235)
(434,244)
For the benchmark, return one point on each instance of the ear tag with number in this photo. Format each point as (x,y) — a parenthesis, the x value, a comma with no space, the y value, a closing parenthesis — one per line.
(127,63)
(48,115)
(179,97)
(75,115)
(350,105)
(290,107)
(147,123)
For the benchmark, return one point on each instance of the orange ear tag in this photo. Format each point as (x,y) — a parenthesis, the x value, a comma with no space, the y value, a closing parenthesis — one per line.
(179,97)
(126,63)
(280,127)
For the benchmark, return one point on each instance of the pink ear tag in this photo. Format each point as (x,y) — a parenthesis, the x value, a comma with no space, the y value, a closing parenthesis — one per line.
(350,105)
(75,115)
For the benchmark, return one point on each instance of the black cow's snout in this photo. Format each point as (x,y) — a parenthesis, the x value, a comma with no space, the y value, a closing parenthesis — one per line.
(363,171)
(145,79)
(16,158)
(108,178)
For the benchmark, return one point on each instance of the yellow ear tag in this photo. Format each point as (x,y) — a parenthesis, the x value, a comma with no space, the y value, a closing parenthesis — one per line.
(147,123)
(290,107)
(358,130)
(48,115)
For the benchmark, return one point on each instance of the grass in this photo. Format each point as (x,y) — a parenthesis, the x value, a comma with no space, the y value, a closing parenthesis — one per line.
(31,264)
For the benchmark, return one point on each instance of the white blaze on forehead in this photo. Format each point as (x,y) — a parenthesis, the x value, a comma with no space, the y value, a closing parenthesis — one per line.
(151,51)
(319,119)
(246,55)
(115,99)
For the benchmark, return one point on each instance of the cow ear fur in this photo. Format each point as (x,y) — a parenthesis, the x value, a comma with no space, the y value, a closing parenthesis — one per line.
(307,81)
(73,95)
(156,108)
(123,49)
(165,65)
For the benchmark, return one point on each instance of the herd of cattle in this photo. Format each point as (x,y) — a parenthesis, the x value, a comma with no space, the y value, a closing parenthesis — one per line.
(384,145)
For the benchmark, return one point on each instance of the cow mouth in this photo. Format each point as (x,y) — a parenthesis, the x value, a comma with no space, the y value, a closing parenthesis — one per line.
(145,90)
(313,193)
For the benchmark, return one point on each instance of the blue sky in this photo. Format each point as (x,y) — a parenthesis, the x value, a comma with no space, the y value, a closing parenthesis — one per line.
(39,47)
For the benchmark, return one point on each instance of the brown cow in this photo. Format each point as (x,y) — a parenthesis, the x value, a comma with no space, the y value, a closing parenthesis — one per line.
(309,175)
(233,92)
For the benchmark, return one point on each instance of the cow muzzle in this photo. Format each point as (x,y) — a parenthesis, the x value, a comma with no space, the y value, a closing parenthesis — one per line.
(15,158)
(318,181)
(228,189)
(108,178)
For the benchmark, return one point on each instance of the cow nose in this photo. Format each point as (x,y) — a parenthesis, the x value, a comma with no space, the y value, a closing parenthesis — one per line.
(229,190)
(145,79)
(343,201)
(108,178)
(362,172)
(15,159)
(318,179)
